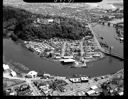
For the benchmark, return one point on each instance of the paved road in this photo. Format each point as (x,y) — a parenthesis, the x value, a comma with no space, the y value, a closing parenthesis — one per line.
(34,88)
(81,47)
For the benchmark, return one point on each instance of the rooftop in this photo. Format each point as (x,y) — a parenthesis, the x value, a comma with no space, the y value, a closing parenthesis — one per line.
(5,67)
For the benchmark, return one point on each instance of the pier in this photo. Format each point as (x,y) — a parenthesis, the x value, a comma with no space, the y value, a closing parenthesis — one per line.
(112,55)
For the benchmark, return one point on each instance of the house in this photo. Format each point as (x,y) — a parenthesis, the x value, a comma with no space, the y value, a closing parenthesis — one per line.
(46,75)
(80,93)
(67,57)
(5,67)
(43,87)
(13,73)
(121,93)
(57,57)
(32,74)
(84,79)
(12,93)
(75,80)
(90,92)
(93,87)
(50,20)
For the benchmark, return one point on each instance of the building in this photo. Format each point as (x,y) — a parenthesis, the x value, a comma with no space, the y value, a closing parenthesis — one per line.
(80,93)
(93,87)
(57,57)
(46,75)
(67,61)
(121,93)
(84,79)
(67,57)
(12,93)
(5,67)
(50,20)
(33,74)
(90,92)
(75,80)
(13,73)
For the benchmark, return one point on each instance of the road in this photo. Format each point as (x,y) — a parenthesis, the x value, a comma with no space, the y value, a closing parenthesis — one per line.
(63,49)
(83,86)
(34,88)
(29,82)
(81,47)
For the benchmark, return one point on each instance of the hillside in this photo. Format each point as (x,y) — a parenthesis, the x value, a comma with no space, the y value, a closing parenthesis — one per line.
(25,25)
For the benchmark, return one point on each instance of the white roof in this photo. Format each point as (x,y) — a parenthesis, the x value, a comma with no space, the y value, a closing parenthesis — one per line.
(44,87)
(32,73)
(94,87)
(57,57)
(67,56)
(5,67)
(91,92)
(68,60)
(84,78)
(50,20)
(74,79)
(46,74)
(121,93)
(12,93)
(13,73)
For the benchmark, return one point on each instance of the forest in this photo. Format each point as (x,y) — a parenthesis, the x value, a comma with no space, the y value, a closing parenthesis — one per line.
(19,23)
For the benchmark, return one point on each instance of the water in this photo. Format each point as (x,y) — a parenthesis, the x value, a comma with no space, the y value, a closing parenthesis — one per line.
(109,34)
(17,53)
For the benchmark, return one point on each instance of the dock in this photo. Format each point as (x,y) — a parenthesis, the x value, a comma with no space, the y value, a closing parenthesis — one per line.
(112,55)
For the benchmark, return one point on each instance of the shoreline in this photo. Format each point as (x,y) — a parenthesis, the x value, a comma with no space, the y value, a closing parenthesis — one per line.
(21,73)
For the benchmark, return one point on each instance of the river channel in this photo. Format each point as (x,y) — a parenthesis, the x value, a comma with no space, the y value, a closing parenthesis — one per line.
(15,52)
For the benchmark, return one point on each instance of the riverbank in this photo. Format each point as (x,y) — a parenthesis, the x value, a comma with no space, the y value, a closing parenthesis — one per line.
(81,51)
(73,85)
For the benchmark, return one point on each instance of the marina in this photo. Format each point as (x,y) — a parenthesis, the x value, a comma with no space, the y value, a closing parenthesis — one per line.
(95,68)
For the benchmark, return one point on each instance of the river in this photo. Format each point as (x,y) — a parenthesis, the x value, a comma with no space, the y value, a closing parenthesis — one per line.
(17,53)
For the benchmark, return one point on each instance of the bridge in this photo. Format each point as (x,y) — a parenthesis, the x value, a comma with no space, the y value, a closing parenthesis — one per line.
(107,23)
